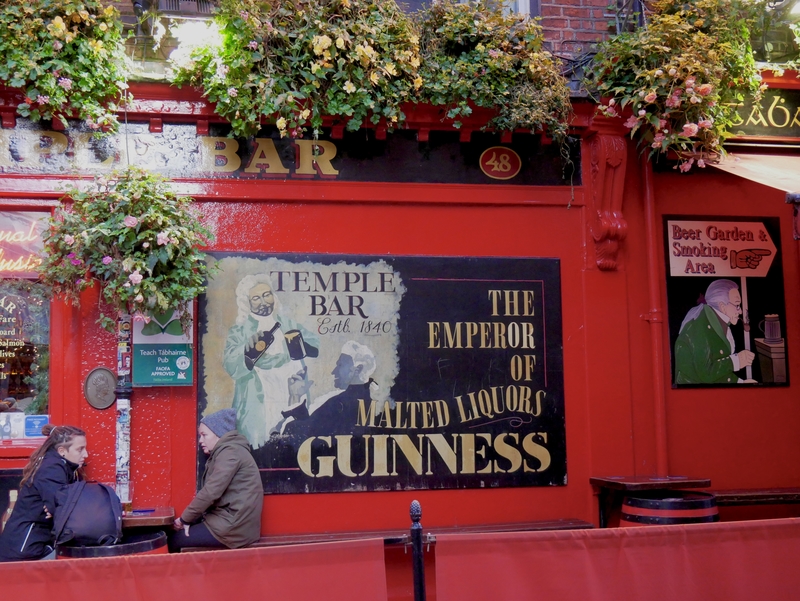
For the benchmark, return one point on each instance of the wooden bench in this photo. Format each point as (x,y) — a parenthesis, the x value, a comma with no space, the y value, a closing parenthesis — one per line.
(756,496)
(401,537)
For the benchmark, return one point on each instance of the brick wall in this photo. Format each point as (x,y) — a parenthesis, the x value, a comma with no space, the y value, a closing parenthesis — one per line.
(574,26)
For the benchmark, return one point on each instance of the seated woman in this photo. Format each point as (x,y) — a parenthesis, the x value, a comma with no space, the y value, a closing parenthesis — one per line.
(227,510)
(58,462)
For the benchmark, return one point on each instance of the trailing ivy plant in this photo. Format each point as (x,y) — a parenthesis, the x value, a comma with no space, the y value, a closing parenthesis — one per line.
(475,55)
(66,56)
(130,233)
(297,60)
(679,79)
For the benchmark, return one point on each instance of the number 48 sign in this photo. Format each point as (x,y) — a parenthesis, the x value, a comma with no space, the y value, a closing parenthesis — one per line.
(499,162)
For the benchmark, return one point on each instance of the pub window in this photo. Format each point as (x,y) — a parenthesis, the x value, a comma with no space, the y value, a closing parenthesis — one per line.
(776,39)
(24,326)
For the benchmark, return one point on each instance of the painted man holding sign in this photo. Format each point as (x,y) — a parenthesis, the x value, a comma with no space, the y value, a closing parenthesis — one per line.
(704,350)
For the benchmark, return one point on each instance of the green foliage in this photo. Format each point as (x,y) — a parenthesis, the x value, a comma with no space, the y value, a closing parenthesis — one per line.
(130,233)
(360,60)
(473,54)
(66,56)
(682,76)
(298,60)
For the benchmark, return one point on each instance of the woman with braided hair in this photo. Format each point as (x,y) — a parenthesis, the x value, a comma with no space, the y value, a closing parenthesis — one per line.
(58,462)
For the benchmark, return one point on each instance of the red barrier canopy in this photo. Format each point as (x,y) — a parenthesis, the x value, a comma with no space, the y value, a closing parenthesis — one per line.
(331,571)
(697,562)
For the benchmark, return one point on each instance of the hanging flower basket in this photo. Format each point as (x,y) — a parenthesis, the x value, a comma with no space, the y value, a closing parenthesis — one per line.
(130,234)
(66,56)
(679,79)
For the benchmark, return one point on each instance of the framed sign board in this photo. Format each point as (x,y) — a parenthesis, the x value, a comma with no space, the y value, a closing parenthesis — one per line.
(359,373)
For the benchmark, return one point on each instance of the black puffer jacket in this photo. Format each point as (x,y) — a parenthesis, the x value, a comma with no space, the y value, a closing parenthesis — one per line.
(28,532)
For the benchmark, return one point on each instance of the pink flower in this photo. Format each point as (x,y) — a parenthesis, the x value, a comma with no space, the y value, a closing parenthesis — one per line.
(145,245)
(71,256)
(69,239)
(136,277)
(43,99)
(107,260)
(253,45)
(76,261)
(705,89)
(65,82)
(243,14)
(130,221)
(233,92)
(686,165)
(611,112)
(57,45)
(662,123)
(631,122)
(701,163)
(705,123)
(162,238)
(657,140)
(689,82)
(651,97)
(673,102)
(127,284)
(494,53)
(612,102)
(690,129)
(139,298)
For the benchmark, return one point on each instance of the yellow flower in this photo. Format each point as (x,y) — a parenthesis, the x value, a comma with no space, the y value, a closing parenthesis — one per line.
(414,40)
(340,43)
(349,87)
(305,114)
(315,67)
(97,45)
(346,3)
(69,37)
(110,10)
(289,99)
(315,83)
(84,15)
(390,69)
(281,123)
(103,27)
(57,28)
(320,43)
(415,62)
(374,78)
(417,82)
(394,118)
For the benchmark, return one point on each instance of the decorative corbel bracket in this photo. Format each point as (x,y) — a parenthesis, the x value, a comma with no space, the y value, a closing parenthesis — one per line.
(609,153)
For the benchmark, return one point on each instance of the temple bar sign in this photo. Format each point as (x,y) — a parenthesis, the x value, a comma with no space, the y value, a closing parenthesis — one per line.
(358,373)
(179,152)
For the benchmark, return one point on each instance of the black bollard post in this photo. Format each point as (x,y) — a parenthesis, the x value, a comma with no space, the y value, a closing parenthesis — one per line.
(417,560)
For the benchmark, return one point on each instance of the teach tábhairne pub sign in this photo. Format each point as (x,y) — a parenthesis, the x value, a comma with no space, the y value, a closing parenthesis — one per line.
(353,373)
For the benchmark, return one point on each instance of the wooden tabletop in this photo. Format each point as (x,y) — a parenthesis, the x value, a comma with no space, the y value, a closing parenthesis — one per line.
(648,482)
(159,516)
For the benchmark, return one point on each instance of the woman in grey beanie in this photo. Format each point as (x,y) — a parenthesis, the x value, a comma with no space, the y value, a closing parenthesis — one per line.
(226,512)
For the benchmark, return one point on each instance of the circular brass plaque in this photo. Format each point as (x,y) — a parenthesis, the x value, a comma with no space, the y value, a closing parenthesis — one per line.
(99,388)
(261,345)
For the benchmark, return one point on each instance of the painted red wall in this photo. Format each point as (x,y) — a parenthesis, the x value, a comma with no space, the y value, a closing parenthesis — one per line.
(498,221)
(737,437)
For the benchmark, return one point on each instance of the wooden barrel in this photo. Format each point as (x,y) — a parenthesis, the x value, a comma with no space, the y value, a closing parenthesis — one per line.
(661,507)
(151,543)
